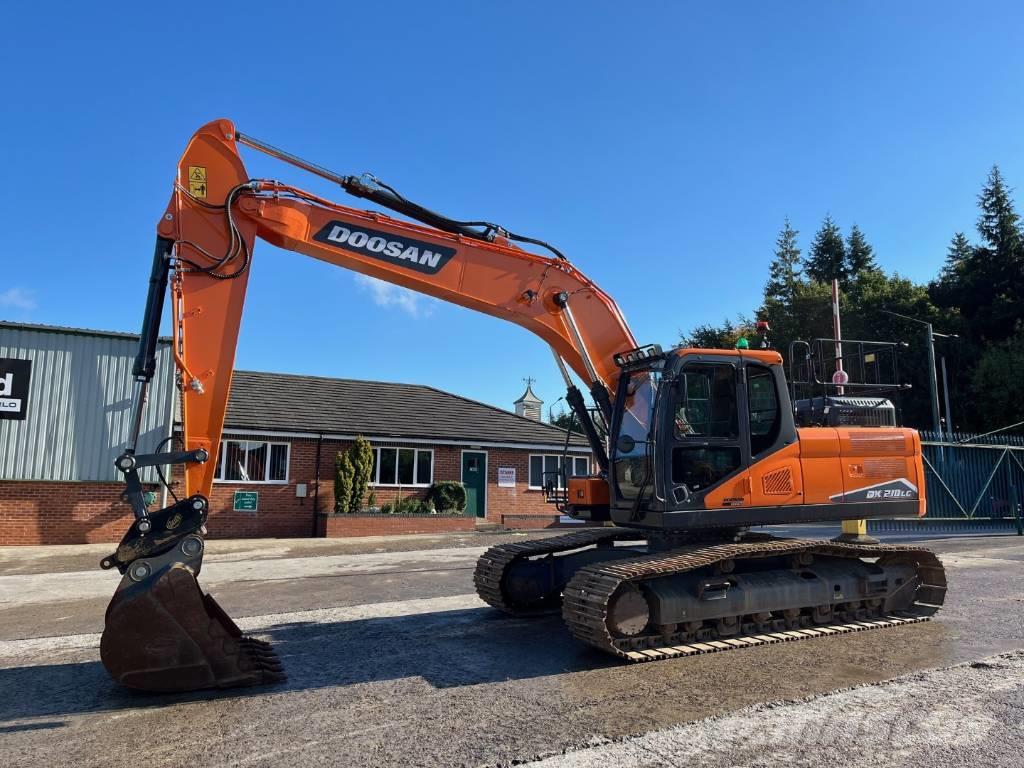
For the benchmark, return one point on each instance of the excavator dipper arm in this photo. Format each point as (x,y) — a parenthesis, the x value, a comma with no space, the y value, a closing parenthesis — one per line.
(162,633)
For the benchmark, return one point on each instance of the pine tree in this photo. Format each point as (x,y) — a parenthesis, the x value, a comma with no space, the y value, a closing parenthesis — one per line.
(957,256)
(827,259)
(999,224)
(860,256)
(784,271)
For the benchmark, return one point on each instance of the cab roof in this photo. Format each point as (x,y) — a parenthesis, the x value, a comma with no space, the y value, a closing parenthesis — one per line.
(766,356)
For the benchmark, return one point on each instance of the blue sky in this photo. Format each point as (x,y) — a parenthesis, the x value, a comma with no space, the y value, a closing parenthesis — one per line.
(659,145)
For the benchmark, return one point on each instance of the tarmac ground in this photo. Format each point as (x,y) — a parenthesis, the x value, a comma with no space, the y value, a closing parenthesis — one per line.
(392,660)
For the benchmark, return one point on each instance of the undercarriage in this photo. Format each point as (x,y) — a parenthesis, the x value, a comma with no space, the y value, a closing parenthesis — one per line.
(670,595)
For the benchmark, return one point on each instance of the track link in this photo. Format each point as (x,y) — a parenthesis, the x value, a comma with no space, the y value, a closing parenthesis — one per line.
(587,596)
(495,562)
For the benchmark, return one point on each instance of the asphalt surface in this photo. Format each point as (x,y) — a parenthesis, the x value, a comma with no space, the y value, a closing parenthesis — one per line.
(392,660)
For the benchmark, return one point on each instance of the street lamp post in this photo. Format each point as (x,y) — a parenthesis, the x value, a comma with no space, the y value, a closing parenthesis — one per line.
(551,410)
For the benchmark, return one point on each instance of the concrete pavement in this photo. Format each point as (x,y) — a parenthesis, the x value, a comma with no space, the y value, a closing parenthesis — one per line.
(392,660)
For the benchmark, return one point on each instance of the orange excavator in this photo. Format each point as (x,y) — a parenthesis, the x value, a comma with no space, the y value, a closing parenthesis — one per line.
(692,447)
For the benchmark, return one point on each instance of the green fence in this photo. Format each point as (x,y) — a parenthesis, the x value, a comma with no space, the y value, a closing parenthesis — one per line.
(970,477)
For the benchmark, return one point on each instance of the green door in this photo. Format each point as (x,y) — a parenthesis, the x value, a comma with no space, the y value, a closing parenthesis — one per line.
(474,477)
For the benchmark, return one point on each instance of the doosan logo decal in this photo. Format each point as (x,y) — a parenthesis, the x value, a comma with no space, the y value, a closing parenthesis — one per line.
(417,255)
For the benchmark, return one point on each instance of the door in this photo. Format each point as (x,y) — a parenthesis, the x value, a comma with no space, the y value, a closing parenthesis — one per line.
(708,466)
(474,479)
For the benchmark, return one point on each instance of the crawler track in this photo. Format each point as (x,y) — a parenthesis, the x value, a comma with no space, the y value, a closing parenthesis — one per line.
(587,596)
(494,564)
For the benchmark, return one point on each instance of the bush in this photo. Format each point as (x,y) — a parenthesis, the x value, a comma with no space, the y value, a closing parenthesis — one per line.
(361,455)
(343,478)
(447,496)
(387,508)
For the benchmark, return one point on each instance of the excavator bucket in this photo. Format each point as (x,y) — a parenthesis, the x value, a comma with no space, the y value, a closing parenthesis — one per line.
(162,633)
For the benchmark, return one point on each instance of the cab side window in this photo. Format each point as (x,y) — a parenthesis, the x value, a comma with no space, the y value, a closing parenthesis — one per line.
(763,406)
(708,407)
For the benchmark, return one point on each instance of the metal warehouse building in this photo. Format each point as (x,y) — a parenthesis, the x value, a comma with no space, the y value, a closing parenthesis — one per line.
(66,404)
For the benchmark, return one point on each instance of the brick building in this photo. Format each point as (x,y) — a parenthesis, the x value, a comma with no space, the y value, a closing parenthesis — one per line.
(280,440)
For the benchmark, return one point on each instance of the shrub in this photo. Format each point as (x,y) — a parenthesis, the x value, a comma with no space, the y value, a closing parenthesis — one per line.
(447,496)
(361,455)
(387,508)
(371,500)
(343,477)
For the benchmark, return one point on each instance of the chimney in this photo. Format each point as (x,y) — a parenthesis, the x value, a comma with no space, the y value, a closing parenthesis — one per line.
(529,404)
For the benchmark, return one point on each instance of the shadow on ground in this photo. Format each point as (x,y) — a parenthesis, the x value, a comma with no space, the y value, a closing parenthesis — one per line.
(446,649)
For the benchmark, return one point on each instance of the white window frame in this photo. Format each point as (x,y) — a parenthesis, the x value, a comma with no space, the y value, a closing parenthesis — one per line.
(573,457)
(287,463)
(375,480)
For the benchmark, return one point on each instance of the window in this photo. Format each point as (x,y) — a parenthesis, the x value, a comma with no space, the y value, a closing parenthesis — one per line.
(542,464)
(700,468)
(763,404)
(252,461)
(402,466)
(708,402)
(632,470)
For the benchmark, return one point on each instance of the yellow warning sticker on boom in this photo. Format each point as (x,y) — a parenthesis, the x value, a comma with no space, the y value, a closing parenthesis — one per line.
(197,181)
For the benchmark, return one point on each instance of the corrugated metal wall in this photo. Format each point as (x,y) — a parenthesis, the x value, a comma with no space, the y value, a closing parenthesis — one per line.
(81,400)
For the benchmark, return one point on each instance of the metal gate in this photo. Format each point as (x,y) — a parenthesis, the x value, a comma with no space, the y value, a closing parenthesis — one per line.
(973,477)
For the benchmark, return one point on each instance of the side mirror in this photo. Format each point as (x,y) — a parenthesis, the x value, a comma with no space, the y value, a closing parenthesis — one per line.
(625,444)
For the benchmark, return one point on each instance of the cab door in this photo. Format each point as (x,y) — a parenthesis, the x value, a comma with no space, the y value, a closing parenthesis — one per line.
(707,464)
(774,452)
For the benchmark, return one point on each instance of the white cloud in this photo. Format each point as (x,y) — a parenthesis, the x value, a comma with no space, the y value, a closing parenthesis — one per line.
(389,295)
(18,298)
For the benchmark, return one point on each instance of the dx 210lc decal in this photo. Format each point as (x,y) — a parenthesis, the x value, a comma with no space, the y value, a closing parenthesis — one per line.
(417,255)
(898,490)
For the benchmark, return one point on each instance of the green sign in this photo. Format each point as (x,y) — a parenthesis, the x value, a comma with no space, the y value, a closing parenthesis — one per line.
(246,501)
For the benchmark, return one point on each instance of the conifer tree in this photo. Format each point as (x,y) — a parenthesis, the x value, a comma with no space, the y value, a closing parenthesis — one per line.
(860,256)
(785,269)
(998,224)
(957,256)
(827,259)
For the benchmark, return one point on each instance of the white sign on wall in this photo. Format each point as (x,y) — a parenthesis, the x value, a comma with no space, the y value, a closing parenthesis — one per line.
(506,477)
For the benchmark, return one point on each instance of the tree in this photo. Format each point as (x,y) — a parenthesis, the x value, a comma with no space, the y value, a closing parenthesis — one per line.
(957,256)
(998,224)
(986,282)
(784,270)
(827,259)
(860,256)
(724,336)
(360,455)
(998,382)
(343,477)
(563,419)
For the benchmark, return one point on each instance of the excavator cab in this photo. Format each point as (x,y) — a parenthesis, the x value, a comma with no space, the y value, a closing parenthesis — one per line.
(690,425)
(705,439)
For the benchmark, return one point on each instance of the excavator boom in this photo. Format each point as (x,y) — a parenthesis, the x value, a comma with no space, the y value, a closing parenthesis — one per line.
(216,213)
